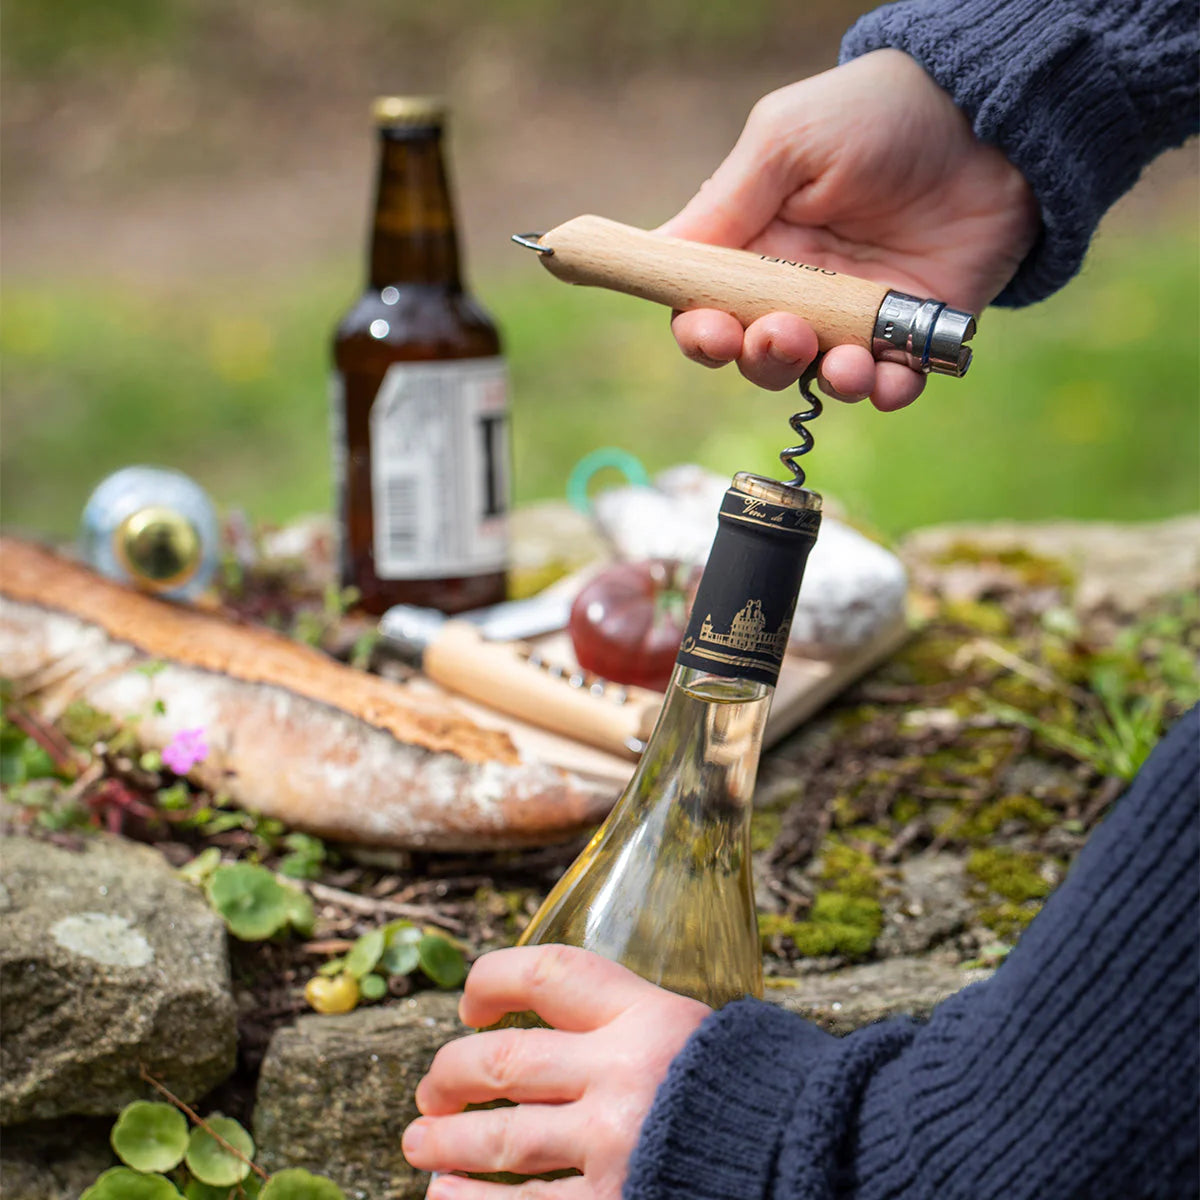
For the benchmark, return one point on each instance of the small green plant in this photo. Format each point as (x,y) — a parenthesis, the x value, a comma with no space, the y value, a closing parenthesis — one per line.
(215,1161)
(150,1136)
(254,904)
(991,955)
(313,626)
(211,1153)
(202,866)
(1134,686)
(120,1183)
(297,1184)
(305,856)
(1118,731)
(29,750)
(397,948)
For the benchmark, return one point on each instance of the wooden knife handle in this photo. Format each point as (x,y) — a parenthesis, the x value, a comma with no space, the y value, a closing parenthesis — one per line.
(499,675)
(597,252)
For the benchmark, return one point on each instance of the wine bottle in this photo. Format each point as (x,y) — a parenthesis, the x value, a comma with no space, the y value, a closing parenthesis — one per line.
(664,886)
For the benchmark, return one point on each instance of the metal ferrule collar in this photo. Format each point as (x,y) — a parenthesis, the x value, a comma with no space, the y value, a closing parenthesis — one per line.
(925,335)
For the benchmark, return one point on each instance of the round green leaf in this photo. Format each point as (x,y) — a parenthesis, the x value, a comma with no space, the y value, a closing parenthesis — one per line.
(297,1184)
(372,987)
(441,961)
(364,954)
(248,1189)
(195,1190)
(401,933)
(120,1183)
(335,966)
(210,1162)
(252,902)
(400,958)
(302,916)
(150,1136)
(202,866)
(38,763)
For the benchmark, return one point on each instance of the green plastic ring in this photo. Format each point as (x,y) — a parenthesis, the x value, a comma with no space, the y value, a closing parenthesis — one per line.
(607,457)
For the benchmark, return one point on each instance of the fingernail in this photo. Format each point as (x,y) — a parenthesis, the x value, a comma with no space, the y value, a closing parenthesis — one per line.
(844,397)
(442,1187)
(782,356)
(414,1138)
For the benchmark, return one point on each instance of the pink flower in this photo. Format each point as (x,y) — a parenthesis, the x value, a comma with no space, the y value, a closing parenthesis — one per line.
(185,750)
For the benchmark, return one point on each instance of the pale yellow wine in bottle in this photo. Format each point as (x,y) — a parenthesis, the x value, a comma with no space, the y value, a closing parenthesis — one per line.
(664,887)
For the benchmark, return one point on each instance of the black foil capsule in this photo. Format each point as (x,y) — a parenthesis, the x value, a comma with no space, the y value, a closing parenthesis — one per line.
(743,609)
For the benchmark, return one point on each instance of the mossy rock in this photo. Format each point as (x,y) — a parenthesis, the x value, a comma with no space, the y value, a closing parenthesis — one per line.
(336,1092)
(108,959)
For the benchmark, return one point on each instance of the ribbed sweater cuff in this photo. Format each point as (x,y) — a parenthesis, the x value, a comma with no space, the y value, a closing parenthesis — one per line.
(1035,81)
(717,1123)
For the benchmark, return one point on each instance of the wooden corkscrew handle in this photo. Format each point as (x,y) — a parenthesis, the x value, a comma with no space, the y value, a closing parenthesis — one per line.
(597,252)
(925,335)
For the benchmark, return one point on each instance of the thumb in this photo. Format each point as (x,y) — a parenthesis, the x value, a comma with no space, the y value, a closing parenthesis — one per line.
(743,195)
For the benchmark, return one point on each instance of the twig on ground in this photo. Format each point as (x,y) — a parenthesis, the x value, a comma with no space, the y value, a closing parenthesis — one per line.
(986,648)
(1106,793)
(914,831)
(199,1120)
(371,907)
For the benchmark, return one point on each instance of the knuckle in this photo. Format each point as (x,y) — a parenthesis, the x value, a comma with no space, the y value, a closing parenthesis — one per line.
(508,1140)
(501,1062)
(518,1142)
(760,114)
(612,1130)
(550,965)
(768,110)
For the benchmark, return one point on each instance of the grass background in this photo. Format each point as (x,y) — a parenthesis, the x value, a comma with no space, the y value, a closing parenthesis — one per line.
(1084,406)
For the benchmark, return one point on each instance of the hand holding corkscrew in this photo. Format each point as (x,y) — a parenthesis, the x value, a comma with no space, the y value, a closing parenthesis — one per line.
(826,175)
(921,335)
(868,169)
(797,213)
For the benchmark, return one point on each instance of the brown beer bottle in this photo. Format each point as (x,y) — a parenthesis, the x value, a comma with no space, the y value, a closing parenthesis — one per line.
(419,395)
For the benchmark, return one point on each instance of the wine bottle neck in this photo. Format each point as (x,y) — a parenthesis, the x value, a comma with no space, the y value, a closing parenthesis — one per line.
(743,608)
(704,750)
(413,238)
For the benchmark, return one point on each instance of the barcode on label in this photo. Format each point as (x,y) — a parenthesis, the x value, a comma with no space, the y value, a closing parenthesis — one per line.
(439,469)
(400,517)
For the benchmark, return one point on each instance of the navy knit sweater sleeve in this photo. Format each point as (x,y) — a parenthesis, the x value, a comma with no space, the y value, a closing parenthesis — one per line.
(1072,1074)
(1079,94)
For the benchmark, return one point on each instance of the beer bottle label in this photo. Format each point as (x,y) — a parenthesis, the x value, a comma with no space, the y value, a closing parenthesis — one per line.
(743,609)
(439,469)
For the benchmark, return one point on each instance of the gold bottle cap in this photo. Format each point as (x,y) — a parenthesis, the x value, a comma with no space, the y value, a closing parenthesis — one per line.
(408,110)
(159,547)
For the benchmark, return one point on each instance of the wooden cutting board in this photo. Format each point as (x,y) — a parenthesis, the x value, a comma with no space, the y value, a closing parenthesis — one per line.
(805,685)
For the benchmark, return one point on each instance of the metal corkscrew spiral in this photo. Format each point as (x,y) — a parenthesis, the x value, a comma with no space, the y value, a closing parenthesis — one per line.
(798,422)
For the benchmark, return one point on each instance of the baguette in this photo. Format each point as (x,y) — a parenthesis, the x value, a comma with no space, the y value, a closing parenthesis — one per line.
(291,733)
